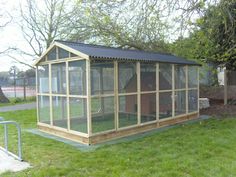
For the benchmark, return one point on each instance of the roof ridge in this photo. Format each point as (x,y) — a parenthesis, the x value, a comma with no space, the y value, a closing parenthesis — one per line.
(116,48)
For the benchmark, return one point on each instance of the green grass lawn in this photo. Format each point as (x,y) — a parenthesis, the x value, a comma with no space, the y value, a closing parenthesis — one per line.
(199,149)
(18,100)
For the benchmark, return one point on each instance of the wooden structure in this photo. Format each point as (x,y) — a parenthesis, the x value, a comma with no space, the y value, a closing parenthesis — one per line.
(229,87)
(91,93)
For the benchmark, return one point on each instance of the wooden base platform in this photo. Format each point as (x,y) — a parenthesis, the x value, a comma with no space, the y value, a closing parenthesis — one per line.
(105,136)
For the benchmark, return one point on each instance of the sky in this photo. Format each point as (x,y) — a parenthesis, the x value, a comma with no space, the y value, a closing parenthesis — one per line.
(11,36)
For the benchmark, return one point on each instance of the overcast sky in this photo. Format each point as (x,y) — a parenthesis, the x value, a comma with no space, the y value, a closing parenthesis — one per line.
(11,35)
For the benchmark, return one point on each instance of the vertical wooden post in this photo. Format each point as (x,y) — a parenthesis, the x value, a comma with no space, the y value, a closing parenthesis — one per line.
(67,96)
(36,88)
(186,88)
(173,90)
(198,88)
(50,93)
(139,94)
(225,87)
(57,53)
(88,88)
(101,99)
(116,98)
(157,92)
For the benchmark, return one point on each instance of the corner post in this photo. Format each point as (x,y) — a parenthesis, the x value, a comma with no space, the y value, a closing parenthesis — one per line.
(88,89)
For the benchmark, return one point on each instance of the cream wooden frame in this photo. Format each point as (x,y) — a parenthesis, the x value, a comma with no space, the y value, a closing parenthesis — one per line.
(115,95)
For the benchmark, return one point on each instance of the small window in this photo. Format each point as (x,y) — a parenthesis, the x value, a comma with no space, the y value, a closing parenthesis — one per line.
(52,55)
(62,53)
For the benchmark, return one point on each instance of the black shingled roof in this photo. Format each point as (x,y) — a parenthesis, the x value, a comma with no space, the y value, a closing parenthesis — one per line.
(102,52)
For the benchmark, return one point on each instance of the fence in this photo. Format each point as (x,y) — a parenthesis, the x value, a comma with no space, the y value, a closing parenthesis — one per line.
(20,87)
(230,87)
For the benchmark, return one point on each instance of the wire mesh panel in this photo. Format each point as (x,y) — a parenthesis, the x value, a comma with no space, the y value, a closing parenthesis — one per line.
(62,53)
(165,105)
(180,76)
(59,111)
(128,110)
(58,80)
(192,100)
(192,77)
(165,87)
(148,107)
(77,77)
(44,109)
(165,76)
(43,79)
(102,101)
(102,78)
(52,55)
(148,77)
(180,102)
(78,114)
(127,77)
(103,115)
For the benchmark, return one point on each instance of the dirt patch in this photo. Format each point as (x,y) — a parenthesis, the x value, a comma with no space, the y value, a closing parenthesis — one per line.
(216,98)
(217,108)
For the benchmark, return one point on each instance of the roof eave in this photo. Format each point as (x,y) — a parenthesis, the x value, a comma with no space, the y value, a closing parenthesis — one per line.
(133,59)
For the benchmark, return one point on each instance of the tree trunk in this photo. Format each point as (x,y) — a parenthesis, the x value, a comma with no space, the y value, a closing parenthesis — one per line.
(3,98)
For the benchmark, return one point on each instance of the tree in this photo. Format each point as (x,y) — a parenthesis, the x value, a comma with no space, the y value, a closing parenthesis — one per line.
(4,22)
(218,24)
(143,25)
(44,21)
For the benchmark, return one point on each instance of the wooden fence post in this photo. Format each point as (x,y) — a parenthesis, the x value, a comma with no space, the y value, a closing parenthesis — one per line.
(225,88)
